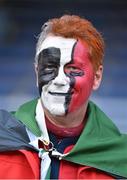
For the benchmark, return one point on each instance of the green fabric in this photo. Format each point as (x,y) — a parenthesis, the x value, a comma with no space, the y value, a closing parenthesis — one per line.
(48,173)
(26,114)
(100,145)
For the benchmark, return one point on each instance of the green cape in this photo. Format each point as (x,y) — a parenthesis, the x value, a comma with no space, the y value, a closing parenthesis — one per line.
(100,145)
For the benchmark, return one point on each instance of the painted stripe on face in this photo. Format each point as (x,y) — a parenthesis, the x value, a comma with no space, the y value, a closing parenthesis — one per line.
(72,82)
(48,65)
(54,84)
(83,76)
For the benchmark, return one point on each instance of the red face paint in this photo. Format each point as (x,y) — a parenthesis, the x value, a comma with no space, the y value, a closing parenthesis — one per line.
(82,76)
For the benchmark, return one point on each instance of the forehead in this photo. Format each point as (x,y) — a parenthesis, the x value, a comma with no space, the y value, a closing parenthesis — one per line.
(65,46)
(64,50)
(57,42)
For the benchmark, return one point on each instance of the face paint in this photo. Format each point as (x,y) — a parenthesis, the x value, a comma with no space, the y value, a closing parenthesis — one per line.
(81,73)
(65,74)
(49,62)
(54,85)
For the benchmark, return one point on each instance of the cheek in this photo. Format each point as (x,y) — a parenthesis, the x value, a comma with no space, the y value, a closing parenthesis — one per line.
(85,81)
(45,78)
(81,91)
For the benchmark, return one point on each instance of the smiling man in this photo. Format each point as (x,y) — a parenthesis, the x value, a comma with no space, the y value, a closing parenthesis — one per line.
(63,70)
(64,135)
(67,66)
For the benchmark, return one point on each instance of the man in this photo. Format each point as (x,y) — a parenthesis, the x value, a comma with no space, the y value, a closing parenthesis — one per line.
(63,135)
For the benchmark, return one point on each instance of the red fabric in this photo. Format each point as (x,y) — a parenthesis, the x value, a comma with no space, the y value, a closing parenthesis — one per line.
(19,165)
(73,171)
(70,170)
(26,165)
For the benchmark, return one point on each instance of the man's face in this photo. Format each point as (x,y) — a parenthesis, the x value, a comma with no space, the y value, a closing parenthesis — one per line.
(65,74)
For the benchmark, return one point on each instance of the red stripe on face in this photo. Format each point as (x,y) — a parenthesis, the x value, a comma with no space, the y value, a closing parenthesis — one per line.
(83,83)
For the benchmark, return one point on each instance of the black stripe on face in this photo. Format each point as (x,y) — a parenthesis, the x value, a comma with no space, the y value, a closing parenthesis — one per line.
(48,65)
(69,94)
(72,83)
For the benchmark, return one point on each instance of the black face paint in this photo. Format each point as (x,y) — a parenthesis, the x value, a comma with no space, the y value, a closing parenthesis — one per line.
(71,75)
(72,83)
(69,94)
(48,65)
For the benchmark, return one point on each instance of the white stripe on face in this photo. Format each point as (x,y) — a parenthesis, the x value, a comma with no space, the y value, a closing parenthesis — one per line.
(58,42)
(55,91)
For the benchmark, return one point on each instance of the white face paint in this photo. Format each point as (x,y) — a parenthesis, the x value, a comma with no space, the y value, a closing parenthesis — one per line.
(54,93)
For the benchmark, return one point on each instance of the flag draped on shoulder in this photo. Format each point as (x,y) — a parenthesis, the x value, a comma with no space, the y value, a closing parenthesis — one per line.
(13,135)
(101,145)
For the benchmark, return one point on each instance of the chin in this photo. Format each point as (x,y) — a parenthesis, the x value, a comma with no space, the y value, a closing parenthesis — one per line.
(56,110)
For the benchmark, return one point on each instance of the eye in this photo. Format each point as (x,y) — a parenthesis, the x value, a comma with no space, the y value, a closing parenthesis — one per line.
(50,67)
(73,70)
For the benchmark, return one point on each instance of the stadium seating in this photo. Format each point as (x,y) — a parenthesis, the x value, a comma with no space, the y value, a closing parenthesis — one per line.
(17,54)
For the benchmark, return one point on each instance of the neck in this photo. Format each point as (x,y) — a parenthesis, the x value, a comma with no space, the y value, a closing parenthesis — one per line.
(70,120)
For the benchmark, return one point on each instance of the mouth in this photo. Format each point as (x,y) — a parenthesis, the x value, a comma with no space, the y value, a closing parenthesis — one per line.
(59,93)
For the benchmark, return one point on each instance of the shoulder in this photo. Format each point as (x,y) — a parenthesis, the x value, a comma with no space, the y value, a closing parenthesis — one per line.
(6,117)
(30,105)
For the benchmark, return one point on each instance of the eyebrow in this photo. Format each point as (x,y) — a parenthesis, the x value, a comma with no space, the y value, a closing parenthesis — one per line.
(76,63)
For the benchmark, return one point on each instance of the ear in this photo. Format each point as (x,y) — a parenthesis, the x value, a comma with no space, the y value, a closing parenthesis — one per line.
(98,77)
(36,72)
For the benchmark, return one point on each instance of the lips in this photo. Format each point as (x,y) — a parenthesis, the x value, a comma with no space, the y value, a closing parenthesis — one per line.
(59,93)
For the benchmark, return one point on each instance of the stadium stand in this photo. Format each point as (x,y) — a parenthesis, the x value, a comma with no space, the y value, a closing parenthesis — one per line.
(22,22)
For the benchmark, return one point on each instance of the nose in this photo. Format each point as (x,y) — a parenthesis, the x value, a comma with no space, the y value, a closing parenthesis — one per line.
(61,79)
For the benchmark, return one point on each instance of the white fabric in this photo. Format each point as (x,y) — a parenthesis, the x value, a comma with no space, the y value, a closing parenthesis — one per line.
(40,118)
(45,159)
(45,164)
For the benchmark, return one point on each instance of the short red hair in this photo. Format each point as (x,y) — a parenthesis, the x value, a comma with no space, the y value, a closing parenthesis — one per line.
(72,26)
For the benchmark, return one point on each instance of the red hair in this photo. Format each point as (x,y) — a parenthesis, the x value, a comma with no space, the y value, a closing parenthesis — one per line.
(71,26)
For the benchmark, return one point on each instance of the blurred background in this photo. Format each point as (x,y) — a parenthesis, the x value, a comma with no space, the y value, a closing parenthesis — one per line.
(20,24)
